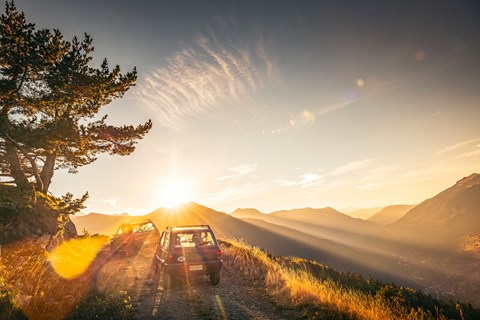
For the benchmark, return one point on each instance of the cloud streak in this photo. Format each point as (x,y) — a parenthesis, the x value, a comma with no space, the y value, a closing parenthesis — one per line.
(200,78)
(242,184)
(352,166)
(236,191)
(305,181)
(241,170)
(456,146)
(111,201)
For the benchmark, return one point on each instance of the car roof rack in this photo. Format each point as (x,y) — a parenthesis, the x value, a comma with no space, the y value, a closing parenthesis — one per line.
(193,226)
(137,222)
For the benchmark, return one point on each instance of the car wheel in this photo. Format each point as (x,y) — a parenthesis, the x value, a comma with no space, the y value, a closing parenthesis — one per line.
(167,281)
(215,278)
(156,268)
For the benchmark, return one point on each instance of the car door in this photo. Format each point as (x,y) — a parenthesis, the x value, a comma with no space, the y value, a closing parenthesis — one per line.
(162,251)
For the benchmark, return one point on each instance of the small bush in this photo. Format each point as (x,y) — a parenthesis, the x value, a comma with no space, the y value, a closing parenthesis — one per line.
(102,306)
(13,201)
(8,308)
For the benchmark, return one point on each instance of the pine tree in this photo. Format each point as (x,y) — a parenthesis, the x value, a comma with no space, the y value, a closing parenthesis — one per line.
(50,98)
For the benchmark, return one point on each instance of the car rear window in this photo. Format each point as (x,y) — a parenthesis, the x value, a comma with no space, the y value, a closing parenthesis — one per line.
(144,227)
(129,228)
(189,239)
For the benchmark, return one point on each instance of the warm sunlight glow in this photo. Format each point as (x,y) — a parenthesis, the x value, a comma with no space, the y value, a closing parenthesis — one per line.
(175,193)
(72,258)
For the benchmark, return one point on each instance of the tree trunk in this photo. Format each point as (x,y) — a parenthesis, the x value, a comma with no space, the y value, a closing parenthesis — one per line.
(16,172)
(48,170)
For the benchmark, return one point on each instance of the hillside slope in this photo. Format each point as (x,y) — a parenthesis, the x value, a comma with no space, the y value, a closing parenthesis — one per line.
(364,213)
(444,220)
(97,223)
(390,214)
(325,223)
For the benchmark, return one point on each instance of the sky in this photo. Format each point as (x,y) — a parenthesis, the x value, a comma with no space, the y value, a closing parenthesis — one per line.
(281,104)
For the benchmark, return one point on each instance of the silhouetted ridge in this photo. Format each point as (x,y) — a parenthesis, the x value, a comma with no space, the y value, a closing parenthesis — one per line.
(443,219)
(390,214)
(247,213)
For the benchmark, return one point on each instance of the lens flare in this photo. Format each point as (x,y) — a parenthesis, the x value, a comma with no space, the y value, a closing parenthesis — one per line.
(360,83)
(73,257)
(308,118)
(420,55)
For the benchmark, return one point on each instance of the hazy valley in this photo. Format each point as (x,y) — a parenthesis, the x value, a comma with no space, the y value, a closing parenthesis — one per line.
(431,246)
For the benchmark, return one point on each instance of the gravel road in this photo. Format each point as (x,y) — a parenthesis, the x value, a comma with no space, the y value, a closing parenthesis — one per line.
(235,298)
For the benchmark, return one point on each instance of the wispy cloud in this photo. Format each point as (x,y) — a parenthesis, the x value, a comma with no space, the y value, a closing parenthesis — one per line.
(199,78)
(236,191)
(309,179)
(456,146)
(375,185)
(304,181)
(469,155)
(112,201)
(285,183)
(352,166)
(239,171)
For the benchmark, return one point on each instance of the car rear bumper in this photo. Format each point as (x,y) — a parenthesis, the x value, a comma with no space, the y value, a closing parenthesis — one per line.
(201,268)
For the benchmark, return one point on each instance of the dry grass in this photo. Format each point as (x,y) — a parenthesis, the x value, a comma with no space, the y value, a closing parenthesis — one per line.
(471,244)
(36,288)
(291,284)
(41,293)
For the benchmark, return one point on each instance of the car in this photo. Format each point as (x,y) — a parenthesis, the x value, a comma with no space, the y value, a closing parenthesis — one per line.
(130,237)
(185,251)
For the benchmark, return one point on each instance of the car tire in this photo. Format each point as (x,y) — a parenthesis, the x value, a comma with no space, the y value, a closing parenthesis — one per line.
(156,268)
(215,278)
(167,281)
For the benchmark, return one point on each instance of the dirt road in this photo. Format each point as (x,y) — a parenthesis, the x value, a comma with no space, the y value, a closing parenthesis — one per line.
(234,298)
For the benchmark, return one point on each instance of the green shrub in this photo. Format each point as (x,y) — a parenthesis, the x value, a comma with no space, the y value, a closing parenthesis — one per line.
(8,308)
(102,306)
(13,201)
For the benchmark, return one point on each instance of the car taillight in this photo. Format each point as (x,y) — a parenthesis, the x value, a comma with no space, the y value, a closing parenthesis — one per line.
(219,254)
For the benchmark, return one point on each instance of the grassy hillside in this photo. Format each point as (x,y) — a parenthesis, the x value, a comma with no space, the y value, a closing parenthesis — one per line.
(324,293)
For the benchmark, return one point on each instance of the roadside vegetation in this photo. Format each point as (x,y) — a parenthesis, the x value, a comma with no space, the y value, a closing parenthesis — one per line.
(324,293)
(31,288)
(50,95)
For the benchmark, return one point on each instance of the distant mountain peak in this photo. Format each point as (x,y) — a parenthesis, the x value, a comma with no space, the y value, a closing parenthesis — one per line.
(247,213)
(249,210)
(469,181)
(446,217)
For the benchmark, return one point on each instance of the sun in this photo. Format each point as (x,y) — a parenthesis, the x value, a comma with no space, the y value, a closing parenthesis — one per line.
(174,193)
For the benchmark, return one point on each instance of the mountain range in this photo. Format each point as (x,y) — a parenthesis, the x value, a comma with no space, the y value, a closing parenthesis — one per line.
(419,246)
